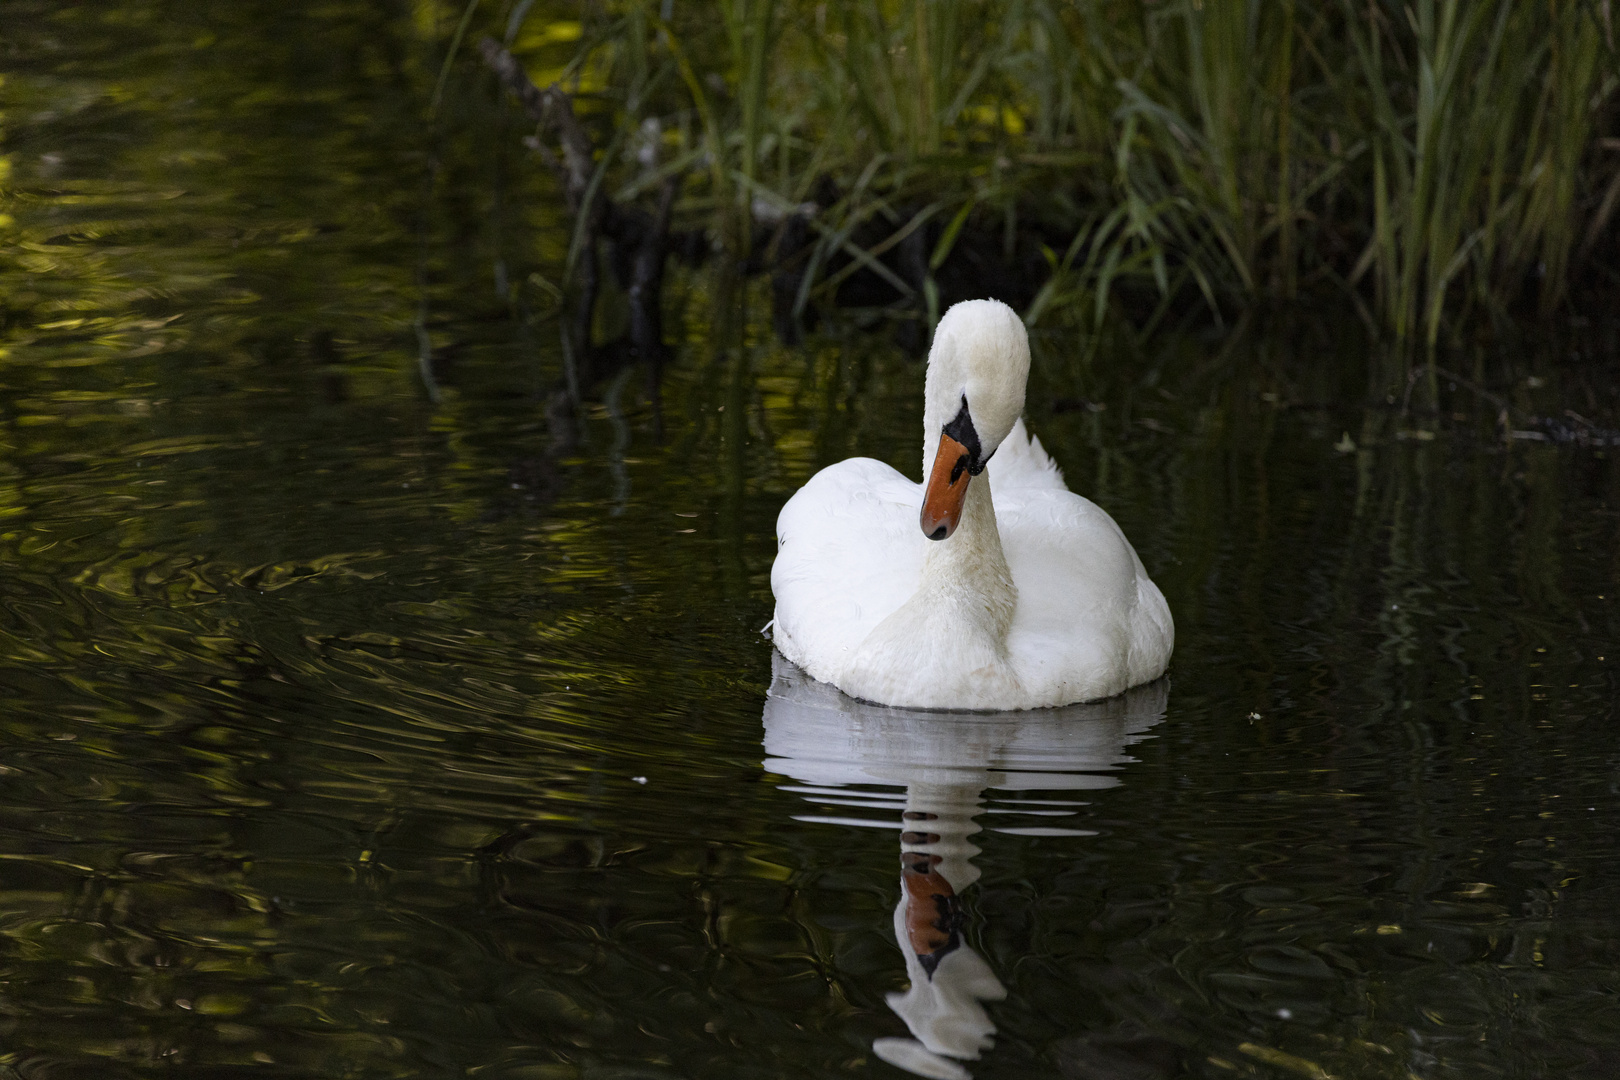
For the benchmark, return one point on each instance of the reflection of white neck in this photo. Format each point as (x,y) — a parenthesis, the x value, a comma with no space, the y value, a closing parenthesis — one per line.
(949,980)
(938,821)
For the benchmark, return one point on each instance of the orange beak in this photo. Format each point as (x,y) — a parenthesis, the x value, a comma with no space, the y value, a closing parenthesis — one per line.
(946,490)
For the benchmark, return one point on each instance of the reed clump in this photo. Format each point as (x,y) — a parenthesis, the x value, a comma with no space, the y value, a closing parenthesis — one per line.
(1424,161)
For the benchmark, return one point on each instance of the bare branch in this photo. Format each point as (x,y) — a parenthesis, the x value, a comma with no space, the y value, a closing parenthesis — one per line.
(553,110)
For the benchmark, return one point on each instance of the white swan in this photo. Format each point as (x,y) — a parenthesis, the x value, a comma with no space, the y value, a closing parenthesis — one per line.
(1028,599)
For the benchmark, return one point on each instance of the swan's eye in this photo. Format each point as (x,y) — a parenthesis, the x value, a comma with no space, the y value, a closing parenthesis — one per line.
(962,430)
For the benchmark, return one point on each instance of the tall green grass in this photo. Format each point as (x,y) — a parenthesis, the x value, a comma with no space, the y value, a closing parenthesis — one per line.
(1429,160)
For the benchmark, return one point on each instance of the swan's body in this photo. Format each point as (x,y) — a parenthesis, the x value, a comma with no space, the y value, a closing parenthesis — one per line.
(1032,599)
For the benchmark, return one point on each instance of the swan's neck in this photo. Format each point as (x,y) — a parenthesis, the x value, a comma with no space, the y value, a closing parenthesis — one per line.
(968,570)
(946,647)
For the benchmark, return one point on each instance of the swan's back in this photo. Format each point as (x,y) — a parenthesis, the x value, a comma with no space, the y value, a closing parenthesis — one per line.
(848,552)
(1021,462)
(1090,623)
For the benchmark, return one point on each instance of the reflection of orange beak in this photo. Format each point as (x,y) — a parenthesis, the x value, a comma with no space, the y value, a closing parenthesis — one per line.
(946,490)
(932,910)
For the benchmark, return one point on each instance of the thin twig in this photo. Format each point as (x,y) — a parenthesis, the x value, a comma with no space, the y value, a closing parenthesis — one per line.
(551,108)
(1494,399)
(1411,381)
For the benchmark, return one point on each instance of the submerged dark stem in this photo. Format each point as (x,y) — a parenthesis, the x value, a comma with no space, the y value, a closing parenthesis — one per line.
(552,109)
(597,219)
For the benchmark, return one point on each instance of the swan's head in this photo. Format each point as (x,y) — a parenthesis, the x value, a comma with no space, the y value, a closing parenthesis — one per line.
(976,375)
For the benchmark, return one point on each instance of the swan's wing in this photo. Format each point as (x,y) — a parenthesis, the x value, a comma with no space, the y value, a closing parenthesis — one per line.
(848,553)
(1022,462)
(1089,622)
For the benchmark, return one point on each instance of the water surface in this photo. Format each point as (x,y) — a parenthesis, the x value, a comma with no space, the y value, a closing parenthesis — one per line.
(366,712)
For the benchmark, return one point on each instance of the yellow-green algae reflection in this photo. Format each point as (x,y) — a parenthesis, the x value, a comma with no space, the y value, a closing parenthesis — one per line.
(367,717)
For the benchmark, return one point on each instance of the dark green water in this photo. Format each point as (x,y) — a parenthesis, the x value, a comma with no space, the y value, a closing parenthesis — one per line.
(356,723)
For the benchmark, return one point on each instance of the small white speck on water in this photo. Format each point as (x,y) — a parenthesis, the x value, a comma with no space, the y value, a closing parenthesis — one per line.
(1285,1014)
(639,779)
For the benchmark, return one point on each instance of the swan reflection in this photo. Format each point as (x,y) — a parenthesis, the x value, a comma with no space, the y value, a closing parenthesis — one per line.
(837,748)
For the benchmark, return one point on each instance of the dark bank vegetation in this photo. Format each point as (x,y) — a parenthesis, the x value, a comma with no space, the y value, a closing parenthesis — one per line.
(1438,167)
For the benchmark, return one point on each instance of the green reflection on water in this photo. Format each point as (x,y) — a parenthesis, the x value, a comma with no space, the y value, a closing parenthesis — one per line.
(325,706)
